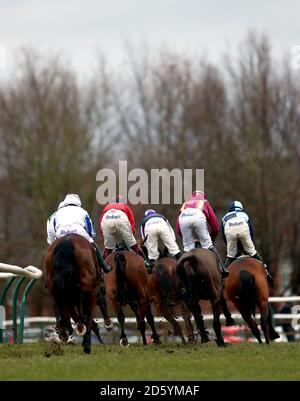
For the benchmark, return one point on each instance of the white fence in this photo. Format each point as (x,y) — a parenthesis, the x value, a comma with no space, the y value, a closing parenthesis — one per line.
(159,319)
(8,271)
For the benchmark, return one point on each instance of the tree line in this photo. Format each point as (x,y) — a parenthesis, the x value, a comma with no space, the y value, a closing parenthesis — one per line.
(240,121)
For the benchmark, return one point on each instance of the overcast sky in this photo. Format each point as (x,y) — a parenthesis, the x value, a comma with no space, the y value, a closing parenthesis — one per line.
(79,28)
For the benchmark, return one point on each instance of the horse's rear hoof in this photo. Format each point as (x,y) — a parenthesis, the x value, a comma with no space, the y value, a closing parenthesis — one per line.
(220,343)
(108,324)
(274,336)
(157,341)
(204,339)
(53,338)
(87,350)
(71,340)
(183,340)
(191,339)
(230,322)
(124,342)
(80,330)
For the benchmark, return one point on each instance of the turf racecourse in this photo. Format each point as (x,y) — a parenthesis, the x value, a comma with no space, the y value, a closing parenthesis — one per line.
(41,361)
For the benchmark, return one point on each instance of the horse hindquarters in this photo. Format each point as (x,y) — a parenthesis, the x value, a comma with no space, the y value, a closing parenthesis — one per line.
(64,289)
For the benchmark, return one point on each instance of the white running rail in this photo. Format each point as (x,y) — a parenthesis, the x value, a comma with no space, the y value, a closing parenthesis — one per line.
(8,271)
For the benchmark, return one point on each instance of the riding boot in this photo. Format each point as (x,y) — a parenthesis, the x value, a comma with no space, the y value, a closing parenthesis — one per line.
(136,248)
(178,255)
(259,258)
(228,261)
(103,265)
(224,271)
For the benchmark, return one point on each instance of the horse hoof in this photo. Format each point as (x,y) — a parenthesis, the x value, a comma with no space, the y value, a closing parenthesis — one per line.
(191,340)
(230,322)
(274,336)
(124,342)
(71,340)
(205,339)
(183,340)
(157,341)
(87,350)
(80,330)
(53,338)
(220,343)
(108,324)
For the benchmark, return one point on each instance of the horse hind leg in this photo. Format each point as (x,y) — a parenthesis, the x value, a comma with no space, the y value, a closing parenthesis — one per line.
(264,321)
(150,320)
(229,319)
(188,325)
(86,306)
(101,302)
(252,324)
(264,327)
(121,319)
(177,331)
(141,311)
(196,311)
(217,324)
(95,328)
(273,334)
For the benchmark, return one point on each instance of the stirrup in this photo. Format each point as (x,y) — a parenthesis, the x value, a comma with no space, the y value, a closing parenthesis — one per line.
(106,267)
(224,272)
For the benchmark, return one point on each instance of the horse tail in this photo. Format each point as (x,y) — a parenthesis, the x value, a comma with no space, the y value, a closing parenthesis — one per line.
(248,294)
(187,285)
(165,284)
(64,264)
(121,278)
(180,265)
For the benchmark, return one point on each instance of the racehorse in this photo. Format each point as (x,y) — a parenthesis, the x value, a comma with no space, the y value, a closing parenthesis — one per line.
(128,284)
(247,287)
(73,279)
(197,277)
(166,299)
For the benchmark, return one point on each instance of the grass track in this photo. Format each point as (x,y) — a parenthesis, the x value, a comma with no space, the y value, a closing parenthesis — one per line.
(166,362)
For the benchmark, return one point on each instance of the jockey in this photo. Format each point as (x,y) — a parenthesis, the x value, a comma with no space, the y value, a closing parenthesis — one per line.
(155,226)
(71,218)
(237,226)
(117,225)
(197,221)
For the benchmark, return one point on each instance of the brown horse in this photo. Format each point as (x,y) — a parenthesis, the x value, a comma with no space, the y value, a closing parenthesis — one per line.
(197,277)
(128,284)
(165,298)
(247,287)
(73,279)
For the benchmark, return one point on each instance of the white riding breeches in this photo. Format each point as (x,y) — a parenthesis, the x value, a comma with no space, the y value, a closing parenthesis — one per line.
(193,226)
(157,228)
(62,231)
(237,229)
(116,228)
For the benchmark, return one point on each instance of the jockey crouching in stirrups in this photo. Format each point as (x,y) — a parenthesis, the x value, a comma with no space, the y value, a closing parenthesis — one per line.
(71,218)
(197,221)
(117,225)
(155,226)
(237,227)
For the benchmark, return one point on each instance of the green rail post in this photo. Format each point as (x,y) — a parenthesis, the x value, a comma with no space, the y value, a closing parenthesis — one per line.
(22,309)
(6,287)
(15,308)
